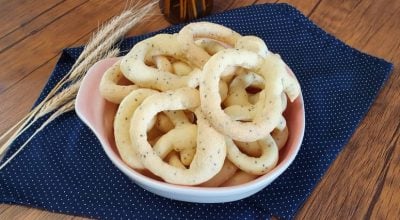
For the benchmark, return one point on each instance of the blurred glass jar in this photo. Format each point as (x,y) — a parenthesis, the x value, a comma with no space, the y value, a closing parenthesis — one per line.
(177,11)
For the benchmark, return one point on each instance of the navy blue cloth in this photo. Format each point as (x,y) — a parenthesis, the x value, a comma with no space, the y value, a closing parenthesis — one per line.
(64,168)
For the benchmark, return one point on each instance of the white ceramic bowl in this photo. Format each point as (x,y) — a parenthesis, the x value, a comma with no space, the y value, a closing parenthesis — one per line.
(98,114)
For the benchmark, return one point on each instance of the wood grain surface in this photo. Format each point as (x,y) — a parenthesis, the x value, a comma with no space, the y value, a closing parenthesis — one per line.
(362,183)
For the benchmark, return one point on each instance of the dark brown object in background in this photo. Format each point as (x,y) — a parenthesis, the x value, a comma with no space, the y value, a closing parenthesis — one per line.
(177,11)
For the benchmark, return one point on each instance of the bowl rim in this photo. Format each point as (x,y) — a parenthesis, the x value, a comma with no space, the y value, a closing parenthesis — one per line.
(189,190)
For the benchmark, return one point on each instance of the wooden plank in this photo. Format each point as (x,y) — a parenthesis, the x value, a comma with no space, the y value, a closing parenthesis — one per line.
(14,212)
(4,207)
(22,212)
(306,7)
(46,44)
(17,13)
(386,201)
(38,23)
(42,215)
(26,92)
(226,5)
(351,187)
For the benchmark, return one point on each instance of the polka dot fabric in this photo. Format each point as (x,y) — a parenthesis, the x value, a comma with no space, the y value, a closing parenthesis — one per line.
(64,169)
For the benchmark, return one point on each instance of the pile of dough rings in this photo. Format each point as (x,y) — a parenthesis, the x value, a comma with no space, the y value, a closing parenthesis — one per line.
(203,107)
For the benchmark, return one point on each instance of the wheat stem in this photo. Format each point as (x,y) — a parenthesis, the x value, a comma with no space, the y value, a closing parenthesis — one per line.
(66,108)
(58,100)
(100,47)
(52,104)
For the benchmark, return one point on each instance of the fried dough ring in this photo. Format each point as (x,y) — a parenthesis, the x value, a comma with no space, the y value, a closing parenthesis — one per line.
(162,63)
(109,87)
(254,165)
(277,80)
(179,118)
(164,124)
(252,43)
(228,170)
(252,149)
(263,123)
(210,149)
(181,69)
(280,137)
(181,139)
(122,125)
(188,34)
(237,94)
(173,160)
(210,46)
(240,177)
(134,67)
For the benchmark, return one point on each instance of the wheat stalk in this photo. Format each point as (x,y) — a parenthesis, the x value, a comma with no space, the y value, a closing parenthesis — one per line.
(137,10)
(59,99)
(63,109)
(68,93)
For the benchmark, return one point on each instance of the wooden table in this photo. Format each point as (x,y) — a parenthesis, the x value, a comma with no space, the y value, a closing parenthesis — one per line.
(363,182)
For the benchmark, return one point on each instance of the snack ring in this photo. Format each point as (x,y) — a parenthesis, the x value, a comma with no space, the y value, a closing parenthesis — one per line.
(266,119)
(237,89)
(228,170)
(162,63)
(254,165)
(253,149)
(188,34)
(169,120)
(252,43)
(240,177)
(173,160)
(164,124)
(210,149)
(205,107)
(109,87)
(250,148)
(134,67)
(122,123)
(181,139)
(280,136)
(181,69)
(210,46)
(179,118)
